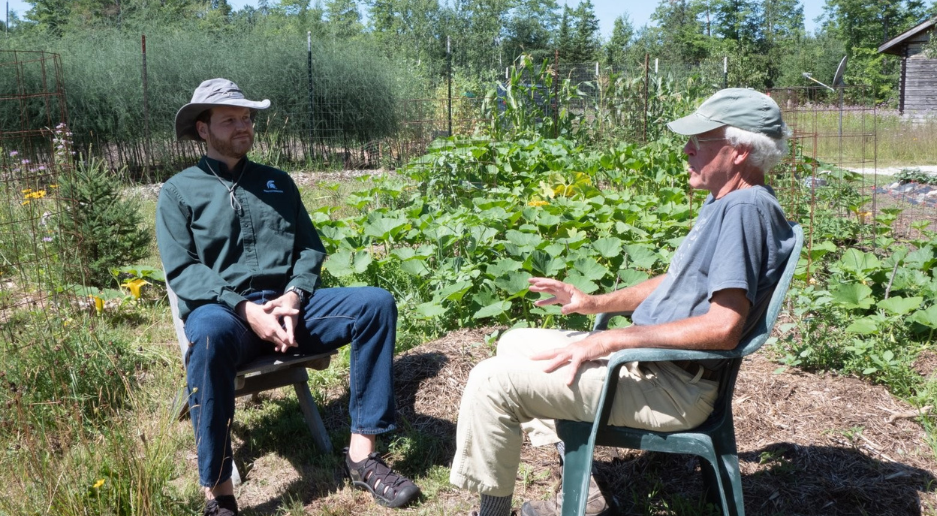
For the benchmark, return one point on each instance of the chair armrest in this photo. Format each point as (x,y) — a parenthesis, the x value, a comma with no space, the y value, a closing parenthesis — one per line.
(602,319)
(666,354)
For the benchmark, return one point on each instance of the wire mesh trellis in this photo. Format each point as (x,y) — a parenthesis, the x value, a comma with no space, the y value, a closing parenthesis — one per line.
(34,155)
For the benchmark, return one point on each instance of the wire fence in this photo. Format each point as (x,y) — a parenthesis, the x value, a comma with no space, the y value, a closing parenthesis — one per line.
(323,119)
(32,267)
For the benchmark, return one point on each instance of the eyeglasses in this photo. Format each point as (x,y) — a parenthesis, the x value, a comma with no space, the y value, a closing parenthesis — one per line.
(696,141)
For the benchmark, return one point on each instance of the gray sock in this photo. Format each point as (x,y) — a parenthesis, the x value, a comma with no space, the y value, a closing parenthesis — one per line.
(495,506)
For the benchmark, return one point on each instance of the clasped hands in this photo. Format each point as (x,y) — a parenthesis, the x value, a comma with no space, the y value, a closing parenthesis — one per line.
(571,300)
(274,321)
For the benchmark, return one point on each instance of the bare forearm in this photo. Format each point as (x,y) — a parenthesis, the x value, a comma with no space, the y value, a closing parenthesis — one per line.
(626,299)
(720,328)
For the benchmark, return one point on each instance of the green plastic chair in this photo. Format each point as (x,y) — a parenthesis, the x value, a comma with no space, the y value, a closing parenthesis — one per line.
(714,440)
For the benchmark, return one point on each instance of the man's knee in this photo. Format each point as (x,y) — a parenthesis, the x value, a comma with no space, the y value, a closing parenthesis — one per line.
(208,327)
(378,301)
(491,378)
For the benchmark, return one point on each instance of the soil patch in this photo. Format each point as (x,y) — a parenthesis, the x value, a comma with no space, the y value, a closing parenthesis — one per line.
(809,444)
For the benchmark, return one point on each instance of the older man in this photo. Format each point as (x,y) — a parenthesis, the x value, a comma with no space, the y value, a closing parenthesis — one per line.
(723,272)
(241,253)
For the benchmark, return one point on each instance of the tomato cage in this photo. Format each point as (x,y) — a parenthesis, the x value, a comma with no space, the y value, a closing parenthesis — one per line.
(35,153)
(849,160)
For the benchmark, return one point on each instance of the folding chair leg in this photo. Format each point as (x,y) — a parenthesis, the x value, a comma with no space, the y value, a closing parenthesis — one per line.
(311,414)
(577,466)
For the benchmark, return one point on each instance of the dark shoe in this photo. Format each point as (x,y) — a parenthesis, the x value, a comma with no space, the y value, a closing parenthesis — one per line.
(595,504)
(222,506)
(388,488)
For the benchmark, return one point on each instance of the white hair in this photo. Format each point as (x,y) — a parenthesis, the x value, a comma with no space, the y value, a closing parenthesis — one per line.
(764,151)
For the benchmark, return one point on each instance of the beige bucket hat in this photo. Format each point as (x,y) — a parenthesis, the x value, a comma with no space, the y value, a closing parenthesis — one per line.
(211,93)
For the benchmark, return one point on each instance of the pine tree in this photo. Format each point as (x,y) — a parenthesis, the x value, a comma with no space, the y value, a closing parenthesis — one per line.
(617,46)
(585,41)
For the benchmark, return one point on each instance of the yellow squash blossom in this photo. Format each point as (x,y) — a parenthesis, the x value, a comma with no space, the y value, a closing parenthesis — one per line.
(98,303)
(134,286)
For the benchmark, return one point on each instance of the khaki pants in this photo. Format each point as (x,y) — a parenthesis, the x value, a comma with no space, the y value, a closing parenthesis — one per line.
(509,393)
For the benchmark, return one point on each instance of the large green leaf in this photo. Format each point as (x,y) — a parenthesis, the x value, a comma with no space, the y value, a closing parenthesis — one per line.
(455,291)
(590,268)
(430,309)
(502,267)
(926,317)
(361,261)
(608,247)
(384,228)
(581,282)
(415,268)
(822,249)
(900,305)
(631,277)
(339,264)
(543,264)
(641,256)
(514,283)
(864,326)
(523,239)
(853,295)
(493,310)
(922,259)
(859,262)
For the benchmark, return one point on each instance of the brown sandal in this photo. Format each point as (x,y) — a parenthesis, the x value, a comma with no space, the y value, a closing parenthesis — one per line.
(388,488)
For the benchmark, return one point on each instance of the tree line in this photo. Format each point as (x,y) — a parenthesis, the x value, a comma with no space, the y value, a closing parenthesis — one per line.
(764,41)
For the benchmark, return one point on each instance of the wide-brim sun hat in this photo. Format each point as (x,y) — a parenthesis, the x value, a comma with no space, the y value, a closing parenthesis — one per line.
(743,108)
(209,94)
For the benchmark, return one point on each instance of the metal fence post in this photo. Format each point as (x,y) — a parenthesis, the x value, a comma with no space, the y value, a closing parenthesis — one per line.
(449,79)
(312,152)
(146,116)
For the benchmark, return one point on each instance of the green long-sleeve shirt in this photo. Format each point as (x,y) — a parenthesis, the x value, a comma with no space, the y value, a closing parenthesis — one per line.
(217,249)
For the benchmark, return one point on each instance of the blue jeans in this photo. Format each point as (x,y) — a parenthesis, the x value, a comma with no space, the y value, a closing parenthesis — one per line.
(221,342)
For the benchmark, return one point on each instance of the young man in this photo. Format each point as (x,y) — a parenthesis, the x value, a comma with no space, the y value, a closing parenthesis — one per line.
(244,259)
(723,272)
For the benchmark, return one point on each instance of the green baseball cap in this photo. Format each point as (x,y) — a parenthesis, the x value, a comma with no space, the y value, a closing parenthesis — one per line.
(743,108)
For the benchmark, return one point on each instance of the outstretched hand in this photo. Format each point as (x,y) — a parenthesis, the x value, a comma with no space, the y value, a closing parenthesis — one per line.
(570,298)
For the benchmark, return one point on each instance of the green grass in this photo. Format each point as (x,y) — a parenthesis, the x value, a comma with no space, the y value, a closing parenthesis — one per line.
(869,138)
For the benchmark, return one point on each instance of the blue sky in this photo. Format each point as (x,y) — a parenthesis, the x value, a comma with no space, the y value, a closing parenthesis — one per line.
(605,10)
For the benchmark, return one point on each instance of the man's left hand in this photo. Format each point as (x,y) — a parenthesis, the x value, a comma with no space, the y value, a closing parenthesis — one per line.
(289,317)
(592,347)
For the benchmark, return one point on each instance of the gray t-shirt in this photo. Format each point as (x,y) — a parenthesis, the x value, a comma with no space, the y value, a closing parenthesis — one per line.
(739,241)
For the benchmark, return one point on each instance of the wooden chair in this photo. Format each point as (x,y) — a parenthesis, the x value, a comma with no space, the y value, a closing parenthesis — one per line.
(714,440)
(266,372)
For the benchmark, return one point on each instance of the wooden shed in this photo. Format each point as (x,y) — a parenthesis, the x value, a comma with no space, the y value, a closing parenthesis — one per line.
(918,84)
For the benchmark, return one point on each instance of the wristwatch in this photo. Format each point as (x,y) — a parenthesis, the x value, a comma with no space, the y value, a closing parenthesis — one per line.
(299,293)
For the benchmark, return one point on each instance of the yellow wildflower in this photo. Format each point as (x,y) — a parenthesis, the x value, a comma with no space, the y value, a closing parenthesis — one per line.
(53,185)
(24,203)
(26,191)
(98,303)
(98,484)
(134,286)
(537,202)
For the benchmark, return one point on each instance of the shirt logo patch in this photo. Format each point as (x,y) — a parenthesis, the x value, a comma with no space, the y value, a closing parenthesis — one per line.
(272,187)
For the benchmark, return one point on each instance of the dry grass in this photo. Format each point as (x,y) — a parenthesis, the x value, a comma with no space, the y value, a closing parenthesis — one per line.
(809,444)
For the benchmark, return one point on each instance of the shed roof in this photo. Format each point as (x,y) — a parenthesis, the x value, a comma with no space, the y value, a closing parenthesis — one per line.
(893,46)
